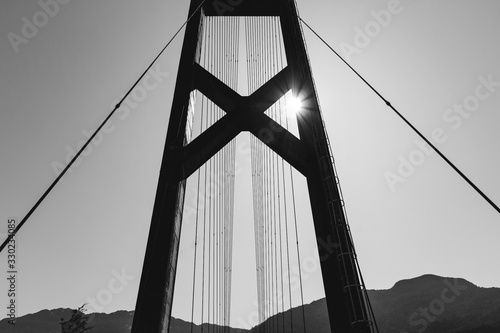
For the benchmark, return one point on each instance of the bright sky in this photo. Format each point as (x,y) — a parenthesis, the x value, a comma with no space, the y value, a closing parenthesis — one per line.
(437,62)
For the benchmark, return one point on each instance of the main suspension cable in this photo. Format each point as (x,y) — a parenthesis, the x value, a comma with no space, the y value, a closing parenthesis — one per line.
(70,164)
(485,197)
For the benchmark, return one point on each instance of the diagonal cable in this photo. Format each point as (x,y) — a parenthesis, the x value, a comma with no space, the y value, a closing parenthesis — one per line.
(485,197)
(70,164)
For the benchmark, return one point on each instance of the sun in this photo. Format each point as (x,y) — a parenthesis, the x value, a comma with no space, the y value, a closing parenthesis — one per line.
(293,105)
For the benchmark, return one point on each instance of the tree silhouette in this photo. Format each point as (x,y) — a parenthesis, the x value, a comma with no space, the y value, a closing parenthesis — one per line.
(77,323)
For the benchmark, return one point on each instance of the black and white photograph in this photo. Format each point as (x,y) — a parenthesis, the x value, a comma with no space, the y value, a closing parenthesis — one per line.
(249,166)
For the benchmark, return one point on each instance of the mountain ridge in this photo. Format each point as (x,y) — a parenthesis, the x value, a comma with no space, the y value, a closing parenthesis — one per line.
(429,303)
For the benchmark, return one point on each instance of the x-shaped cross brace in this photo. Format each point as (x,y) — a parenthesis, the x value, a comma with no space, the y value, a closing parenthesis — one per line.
(243,113)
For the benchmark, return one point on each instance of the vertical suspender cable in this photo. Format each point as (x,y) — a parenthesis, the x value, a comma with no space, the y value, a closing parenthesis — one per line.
(285,209)
(278,119)
(225,156)
(206,194)
(196,235)
(210,305)
(204,109)
(265,176)
(226,193)
(266,186)
(269,62)
(298,249)
(218,58)
(227,31)
(269,223)
(217,183)
(255,192)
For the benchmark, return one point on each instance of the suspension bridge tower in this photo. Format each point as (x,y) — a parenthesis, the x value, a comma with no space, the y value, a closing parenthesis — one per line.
(308,153)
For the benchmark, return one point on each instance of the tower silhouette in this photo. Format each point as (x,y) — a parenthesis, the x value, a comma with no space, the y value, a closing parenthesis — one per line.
(347,303)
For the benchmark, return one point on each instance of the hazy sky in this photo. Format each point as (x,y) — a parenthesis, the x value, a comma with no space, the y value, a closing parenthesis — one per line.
(437,62)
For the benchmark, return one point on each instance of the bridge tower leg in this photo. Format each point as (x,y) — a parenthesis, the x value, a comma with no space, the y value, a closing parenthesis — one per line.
(345,295)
